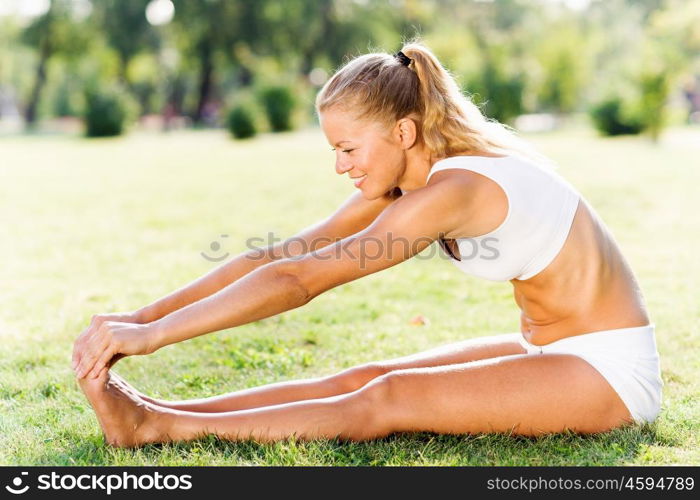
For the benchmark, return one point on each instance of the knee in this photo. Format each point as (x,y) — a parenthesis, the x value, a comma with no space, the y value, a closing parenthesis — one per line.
(372,410)
(354,378)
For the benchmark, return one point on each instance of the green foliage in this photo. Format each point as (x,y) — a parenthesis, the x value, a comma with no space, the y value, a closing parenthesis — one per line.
(51,34)
(560,89)
(125,27)
(562,57)
(56,32)
(107,111)
(654,87)
(241,122)
(643,110)
(67,98)
(145,75)
(278,103)
(499,94)
(515,56)
(611,117)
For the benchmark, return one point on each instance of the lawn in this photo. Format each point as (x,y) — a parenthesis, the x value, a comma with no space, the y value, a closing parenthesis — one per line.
(92,226)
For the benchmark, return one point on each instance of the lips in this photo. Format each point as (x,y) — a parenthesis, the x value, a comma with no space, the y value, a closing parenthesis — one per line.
(359,180)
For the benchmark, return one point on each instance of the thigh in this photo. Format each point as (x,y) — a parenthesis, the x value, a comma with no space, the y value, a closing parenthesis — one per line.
(519,394)
(458,352)
(464,351)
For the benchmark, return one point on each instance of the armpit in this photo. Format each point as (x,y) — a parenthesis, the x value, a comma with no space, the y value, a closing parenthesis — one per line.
(394,194)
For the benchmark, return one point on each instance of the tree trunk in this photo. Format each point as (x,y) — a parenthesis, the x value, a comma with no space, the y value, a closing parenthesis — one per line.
(205,81)
(245,75)
(315,46)
(30,115)
(123,69)
(173,104)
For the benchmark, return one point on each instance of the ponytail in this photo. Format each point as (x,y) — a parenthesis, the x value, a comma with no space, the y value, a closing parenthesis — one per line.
(381,87)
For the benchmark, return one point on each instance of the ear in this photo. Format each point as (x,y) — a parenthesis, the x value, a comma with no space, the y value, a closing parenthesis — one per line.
(406,132)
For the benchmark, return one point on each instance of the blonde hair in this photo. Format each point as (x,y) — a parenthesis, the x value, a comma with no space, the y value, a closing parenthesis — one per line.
(378,87)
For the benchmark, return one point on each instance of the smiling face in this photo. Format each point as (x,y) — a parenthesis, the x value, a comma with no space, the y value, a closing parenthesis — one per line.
(363,148)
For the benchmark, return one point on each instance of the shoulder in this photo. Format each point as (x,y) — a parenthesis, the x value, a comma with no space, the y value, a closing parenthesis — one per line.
(481,174)
(461,184)
(439,206)
(476,202)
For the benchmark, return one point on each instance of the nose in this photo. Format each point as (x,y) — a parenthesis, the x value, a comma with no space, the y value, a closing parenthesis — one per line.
(342,166)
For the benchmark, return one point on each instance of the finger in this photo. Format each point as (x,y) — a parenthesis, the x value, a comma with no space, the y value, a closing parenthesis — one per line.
(80,348)
(80,342)
(101,341)
(102,372)
(78,352)
(102,362)
(91,356)
(75,359)
(86,364)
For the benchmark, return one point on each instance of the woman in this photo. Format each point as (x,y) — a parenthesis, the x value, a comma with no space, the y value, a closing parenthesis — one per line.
(428,167)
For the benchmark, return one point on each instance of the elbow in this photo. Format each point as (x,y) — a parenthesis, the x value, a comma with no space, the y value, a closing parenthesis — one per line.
(291,275)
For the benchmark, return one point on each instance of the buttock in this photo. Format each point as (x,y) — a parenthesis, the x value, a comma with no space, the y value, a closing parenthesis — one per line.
(627,358)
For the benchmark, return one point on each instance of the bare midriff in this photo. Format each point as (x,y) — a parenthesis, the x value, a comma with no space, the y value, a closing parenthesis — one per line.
(588,287)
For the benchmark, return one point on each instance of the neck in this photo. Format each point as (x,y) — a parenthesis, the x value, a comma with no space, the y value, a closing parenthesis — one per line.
(419,161)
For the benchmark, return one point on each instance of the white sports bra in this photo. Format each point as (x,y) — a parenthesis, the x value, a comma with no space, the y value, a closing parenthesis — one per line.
(541,209)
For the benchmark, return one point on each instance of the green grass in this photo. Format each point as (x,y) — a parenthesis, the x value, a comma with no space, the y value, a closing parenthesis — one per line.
(105,225)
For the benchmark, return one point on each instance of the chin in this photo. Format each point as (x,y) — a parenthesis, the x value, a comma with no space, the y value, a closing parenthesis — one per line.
(369,194)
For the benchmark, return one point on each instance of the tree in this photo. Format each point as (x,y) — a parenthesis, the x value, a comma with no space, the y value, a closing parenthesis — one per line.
(51,34)
(207,32)
(562,55)
(126,29)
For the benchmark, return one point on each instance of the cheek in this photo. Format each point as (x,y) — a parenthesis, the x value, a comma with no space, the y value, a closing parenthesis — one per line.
(363,160)
(381,156)
(390,159)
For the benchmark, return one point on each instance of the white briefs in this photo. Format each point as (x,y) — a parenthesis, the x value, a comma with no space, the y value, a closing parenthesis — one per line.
(627,358)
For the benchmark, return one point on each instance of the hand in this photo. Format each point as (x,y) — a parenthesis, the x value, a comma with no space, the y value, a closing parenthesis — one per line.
(112,339)
(95,323)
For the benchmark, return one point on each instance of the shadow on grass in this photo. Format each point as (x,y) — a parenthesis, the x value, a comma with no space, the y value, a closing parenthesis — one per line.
(622,446)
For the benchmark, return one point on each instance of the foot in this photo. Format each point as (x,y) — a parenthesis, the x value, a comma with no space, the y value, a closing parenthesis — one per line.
(125,386)
(126,420)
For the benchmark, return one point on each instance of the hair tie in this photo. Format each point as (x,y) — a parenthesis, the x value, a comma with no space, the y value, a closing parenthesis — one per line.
(403,58)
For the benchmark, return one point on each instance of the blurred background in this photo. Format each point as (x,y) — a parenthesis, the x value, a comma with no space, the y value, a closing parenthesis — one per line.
(208,145)
(109,67)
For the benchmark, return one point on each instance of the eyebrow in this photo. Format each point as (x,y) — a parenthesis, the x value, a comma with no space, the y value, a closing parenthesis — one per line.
(339,143)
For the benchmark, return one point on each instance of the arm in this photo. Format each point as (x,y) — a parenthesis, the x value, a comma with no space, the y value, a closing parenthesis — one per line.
(404,229)
(352,216)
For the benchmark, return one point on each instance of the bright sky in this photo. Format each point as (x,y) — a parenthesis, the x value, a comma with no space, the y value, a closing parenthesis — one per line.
(24,8)
(574,4)
(157,12)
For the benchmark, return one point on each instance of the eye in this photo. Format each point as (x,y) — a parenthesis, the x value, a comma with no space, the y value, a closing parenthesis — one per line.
(344,150)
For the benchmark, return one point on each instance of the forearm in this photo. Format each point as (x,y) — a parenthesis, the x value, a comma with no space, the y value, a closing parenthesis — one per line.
(265,292)
(207,285)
